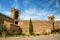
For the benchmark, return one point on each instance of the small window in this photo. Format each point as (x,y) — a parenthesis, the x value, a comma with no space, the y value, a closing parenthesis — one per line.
(16,22)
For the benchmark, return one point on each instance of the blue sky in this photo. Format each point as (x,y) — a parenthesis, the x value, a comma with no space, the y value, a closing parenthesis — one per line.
(34,9)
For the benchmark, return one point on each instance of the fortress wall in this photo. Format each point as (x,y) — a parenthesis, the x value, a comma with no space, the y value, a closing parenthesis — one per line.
(38,26)
(41,26)
(25,26)
(57,25)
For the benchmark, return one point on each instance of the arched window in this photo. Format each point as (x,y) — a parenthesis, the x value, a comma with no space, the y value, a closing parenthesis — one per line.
(16,15)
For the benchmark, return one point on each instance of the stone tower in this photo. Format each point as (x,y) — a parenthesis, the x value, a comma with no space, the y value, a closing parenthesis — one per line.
(15,14)
(51,18)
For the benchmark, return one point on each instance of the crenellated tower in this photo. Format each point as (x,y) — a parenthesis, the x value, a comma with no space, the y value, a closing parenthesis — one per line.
(51,18)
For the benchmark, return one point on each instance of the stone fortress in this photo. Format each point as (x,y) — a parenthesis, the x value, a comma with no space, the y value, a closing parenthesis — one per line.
(13,23)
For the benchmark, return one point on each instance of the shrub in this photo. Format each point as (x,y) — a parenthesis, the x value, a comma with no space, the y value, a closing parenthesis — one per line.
(3,29)
(23,34)
(37,34)
(16,33)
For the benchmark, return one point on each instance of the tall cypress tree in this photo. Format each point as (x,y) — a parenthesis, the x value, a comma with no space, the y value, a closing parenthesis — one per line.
(31,27)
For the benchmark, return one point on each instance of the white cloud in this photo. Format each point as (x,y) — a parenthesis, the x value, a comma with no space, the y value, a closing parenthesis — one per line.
(35,14)
(27,18)
(57,19)
(30,11)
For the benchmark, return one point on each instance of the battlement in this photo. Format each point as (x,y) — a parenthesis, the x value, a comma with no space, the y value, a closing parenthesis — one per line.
(51,18)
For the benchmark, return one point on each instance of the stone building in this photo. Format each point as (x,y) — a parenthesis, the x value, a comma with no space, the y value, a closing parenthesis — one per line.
(13,23)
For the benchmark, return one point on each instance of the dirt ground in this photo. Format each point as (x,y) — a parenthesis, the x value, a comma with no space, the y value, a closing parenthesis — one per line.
(41,37)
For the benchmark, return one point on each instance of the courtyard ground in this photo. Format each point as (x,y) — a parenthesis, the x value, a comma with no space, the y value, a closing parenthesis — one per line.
(40,37)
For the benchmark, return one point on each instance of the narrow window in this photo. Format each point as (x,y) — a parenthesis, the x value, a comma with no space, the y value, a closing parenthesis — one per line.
(13,31)
(16,15)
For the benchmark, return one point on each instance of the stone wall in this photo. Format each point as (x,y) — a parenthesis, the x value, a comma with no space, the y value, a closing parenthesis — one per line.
(7,24)
(25,26)
(57,25)
(6,21)
(15,28)
(38,26)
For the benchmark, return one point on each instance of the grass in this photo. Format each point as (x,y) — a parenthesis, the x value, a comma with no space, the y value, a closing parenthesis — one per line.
(1,36)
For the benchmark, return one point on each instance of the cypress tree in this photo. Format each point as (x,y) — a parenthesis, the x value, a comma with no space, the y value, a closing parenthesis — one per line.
(31,27)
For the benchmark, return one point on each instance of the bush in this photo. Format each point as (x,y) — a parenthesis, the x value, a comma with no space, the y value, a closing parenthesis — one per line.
(45,33)
(37,34)
(32,33)
(58,30)
(23,34)
(16,33)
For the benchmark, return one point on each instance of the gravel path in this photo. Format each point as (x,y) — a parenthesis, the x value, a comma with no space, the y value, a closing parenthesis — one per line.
(42,37)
